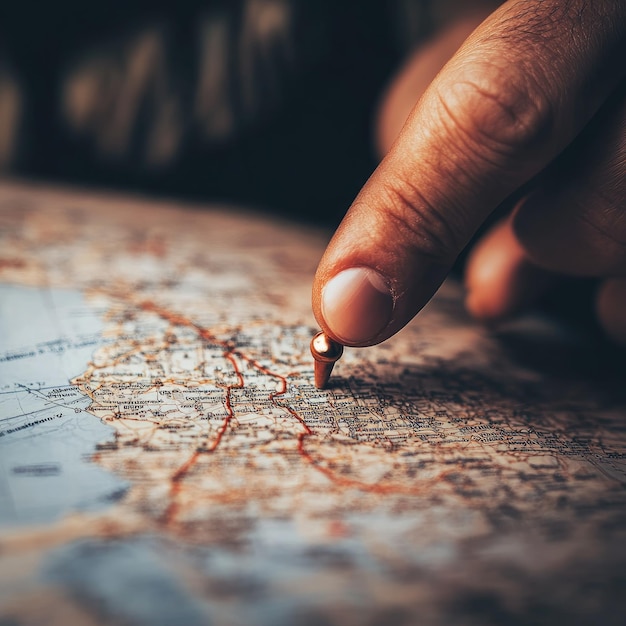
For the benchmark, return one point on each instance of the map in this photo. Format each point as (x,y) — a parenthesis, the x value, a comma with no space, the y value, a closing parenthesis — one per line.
(166,459)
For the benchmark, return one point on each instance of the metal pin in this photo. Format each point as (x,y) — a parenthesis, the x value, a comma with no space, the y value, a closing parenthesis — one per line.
(326,352)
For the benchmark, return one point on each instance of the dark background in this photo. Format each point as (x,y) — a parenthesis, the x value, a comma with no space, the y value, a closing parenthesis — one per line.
(302,146)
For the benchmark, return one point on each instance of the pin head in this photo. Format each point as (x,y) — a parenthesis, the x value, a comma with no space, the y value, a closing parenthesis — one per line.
(325,351)
(325,347)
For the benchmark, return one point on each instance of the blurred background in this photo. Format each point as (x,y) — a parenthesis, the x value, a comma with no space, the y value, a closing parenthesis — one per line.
(263,102)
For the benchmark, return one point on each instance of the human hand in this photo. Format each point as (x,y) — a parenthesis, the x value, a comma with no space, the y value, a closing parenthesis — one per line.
(536,93)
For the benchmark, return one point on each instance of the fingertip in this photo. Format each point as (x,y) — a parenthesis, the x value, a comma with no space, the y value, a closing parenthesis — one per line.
(371,280)
(356,305)
(483,308)
(611,309)
(499,279)
(491,268)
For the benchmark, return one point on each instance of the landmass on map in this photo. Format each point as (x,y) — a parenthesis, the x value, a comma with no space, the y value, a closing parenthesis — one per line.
(157,390)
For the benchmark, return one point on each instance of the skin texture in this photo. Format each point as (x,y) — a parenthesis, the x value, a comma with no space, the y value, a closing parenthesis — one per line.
(535,96)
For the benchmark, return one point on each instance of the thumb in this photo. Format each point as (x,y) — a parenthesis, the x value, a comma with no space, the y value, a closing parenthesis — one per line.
(516,93)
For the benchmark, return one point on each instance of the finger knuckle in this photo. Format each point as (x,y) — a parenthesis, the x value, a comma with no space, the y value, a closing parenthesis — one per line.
(496,111)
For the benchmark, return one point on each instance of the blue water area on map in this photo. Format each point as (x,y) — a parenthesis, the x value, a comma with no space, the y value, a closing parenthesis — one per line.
(274,575)
(47,336)
(134,581)
(144,580)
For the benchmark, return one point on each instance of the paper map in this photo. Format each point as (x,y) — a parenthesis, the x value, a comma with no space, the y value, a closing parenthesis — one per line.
(166,459)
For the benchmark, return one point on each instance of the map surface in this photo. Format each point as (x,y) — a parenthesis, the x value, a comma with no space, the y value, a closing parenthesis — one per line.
(166,459)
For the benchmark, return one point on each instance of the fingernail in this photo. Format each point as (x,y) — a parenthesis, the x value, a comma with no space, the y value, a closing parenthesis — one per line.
(357,305)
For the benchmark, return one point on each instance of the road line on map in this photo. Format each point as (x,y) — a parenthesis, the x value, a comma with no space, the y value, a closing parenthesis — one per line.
(231,353)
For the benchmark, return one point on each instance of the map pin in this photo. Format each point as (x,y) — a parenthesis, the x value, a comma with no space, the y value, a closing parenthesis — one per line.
(326,352)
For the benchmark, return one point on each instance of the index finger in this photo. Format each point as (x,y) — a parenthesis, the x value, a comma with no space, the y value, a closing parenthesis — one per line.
(516,93)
